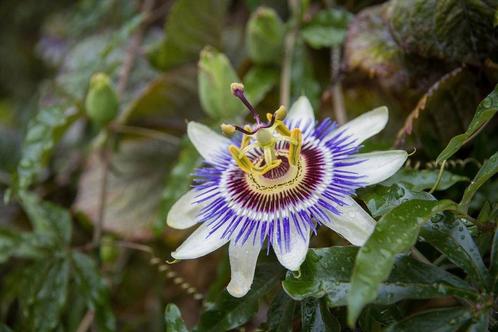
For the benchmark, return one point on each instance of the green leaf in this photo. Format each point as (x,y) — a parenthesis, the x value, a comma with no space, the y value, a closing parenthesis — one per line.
(177,182)
(327,28)
(44,131)
(168,95)
(485,111)
(381,199)
(316,317)
(327,272)
(173,319)
(215,76)
(48,219)
(395,233)
(281,313)
(371,49)
(453,239)
(488,169)
(428,28)
(4,328)
(480,324)
(44,296)
(265,36)
(494,261)
(441,320)
(13,243)
(258,81)
(229,312)
(93,289)
(419,180)
(135,182)
(189,27)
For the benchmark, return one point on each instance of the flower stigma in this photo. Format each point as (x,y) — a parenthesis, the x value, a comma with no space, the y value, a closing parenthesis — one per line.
(264,136)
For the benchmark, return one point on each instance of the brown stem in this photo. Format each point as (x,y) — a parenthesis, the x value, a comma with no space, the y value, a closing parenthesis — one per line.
(336,87)
(97,230)
(86,322)
(285,77)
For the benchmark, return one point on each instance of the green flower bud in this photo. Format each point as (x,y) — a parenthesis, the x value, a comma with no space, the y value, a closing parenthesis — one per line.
(101,102)
(108,250)
(265,36)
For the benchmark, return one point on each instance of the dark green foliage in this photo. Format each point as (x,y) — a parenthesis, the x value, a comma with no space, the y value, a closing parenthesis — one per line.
(89,170)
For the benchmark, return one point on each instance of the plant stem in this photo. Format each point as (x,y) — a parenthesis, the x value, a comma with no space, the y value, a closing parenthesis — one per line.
(146,132)
(336,87)
(285,77)
(99,224)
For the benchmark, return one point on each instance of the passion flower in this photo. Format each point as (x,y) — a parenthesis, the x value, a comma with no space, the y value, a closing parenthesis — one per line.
(278,182)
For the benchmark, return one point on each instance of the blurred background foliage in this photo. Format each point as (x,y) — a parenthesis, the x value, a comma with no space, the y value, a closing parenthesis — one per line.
(90,165)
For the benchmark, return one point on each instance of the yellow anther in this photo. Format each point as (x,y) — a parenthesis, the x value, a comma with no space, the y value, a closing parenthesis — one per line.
(280,113)
(236,87)
(227,129)
(281,128)
(269,116)
(295,146)
(241,159)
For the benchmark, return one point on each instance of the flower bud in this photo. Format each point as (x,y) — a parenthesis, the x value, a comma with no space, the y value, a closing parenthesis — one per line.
(101,102)
(265,35)
(108,250)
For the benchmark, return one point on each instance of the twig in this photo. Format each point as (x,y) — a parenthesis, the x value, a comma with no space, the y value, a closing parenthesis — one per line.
(285,77)
(336,87)
(86,322)
(124,74)
(97,230)
(146,132)
(419,256)
(132,50)
(439,176)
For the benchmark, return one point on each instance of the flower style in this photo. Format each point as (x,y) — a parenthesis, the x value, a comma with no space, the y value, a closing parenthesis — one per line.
(279,182)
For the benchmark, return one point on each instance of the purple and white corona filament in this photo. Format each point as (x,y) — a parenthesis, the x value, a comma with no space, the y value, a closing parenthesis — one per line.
(277,184)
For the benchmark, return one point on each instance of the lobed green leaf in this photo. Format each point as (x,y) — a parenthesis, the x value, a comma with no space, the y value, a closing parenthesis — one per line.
(44,131)
(441,320)
(281,313)
(327,28)
(488,169)
(173,319)
(485,111)
(258,81)
(454,240)
(381,199)
(316,317)
(418,180)
(93,289)
(188,29)
(428,28)
(229,312)
(395,233)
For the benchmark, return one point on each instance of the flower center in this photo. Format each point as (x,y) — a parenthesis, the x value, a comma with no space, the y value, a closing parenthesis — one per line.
(263,136)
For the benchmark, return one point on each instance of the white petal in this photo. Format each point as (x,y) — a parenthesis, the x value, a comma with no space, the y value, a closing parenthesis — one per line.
(365,125)
(377,166)
(354,223)
(183,214)
(301,112)
(298,247)
(206,141)
(243,260)
(199,244)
